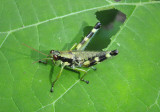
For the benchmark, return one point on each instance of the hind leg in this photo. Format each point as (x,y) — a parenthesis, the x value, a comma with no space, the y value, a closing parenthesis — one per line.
(86,40)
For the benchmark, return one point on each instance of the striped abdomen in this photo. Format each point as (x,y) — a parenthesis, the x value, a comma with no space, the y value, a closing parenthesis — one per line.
(99,58)
(85,58)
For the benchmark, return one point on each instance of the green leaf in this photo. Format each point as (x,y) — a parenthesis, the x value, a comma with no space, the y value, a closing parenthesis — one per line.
(128,82)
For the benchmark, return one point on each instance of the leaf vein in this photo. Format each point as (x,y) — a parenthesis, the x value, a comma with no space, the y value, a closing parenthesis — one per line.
(117,34)
(53,103)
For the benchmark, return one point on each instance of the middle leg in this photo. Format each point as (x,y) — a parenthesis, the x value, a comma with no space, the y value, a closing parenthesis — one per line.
(84,74)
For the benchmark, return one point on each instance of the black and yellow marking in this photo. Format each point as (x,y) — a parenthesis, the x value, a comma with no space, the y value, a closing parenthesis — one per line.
(97,59)
(86,39)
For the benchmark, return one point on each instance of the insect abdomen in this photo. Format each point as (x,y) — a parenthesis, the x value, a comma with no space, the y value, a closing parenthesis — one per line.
(95,60)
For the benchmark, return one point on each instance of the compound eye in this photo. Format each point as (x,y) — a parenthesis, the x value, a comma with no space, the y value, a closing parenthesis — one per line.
(52,51)
(55,57)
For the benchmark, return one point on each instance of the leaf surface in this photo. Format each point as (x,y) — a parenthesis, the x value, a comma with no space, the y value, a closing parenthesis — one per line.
(128,82)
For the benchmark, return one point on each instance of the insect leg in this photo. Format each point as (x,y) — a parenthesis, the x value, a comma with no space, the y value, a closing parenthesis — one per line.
(57,77)
(73,47)
(86,40)
(84,71)
(94,68)
(83,79)
(44,62)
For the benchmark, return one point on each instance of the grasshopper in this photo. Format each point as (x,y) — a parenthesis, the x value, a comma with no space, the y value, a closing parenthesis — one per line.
(76,58)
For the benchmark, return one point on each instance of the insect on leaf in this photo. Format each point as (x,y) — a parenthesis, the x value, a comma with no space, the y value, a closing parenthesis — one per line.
(129,82)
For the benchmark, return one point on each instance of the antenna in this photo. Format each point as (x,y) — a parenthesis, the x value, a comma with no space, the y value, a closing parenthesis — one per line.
(34,49)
